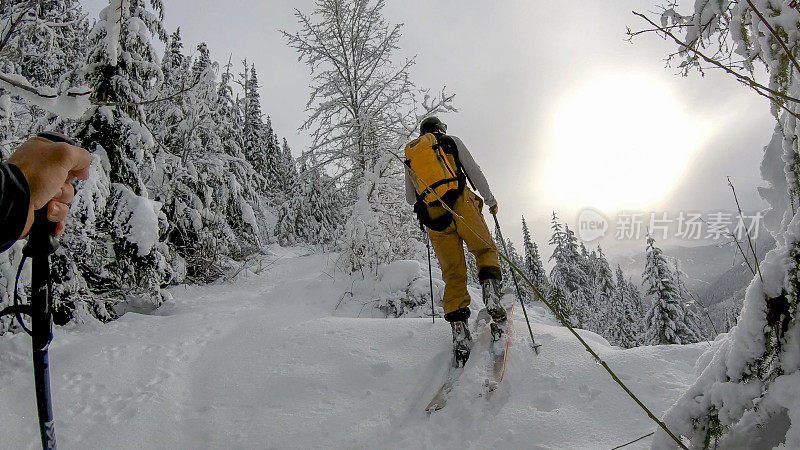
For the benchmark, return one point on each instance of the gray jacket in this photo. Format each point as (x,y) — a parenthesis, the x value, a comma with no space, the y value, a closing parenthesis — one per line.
(472,169)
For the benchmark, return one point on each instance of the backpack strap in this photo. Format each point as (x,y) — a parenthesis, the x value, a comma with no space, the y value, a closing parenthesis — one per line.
(449,146)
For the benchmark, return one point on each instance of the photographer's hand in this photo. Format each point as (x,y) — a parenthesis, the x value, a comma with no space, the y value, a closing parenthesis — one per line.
(48,168)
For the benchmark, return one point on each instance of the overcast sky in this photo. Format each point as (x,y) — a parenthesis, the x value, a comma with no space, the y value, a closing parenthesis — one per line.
(556,106)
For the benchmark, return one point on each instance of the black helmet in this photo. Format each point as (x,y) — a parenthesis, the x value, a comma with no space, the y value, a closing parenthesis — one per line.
(432,124)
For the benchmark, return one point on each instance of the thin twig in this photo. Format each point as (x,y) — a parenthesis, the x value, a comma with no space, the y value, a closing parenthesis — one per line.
(148,102)
(756,86)
(747,261)
(736,241)
(235,274)
(631,34)
(705,310)
(746,230)
(635,440)
(364,305)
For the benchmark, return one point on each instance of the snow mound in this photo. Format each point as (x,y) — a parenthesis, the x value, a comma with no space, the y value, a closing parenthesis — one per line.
(398,275)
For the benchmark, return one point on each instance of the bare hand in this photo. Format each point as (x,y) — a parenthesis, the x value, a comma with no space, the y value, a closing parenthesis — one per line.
(493,209)
(49,167)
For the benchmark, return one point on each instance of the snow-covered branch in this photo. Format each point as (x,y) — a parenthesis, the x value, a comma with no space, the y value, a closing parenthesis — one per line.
(71,104)
(774,96)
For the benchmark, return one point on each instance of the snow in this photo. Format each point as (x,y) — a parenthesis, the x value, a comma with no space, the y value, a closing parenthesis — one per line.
(61,104)
(248,215)
(142,222)
(399,275)
(110,22)
(263,362)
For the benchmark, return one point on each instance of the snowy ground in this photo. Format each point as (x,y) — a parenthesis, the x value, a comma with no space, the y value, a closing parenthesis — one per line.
(264,363)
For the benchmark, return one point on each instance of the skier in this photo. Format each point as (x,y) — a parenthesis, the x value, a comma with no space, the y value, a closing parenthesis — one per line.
(437,167)
(38,173)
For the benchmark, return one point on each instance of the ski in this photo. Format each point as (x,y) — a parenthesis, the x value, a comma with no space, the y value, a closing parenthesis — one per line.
(499,358)
(440,398)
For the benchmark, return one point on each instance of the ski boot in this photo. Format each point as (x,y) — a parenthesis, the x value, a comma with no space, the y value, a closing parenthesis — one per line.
(462,340)
(490,288)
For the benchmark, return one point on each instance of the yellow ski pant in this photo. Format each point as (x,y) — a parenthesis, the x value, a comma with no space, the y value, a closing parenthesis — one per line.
(449,247)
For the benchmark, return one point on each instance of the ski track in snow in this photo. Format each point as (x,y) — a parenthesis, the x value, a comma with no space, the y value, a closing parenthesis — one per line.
(262,363)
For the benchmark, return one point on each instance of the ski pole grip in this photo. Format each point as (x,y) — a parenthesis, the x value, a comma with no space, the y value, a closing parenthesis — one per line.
(41,238)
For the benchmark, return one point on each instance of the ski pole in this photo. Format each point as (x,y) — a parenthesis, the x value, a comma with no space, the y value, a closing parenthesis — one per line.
(430,278)
(41,244)
(519,294)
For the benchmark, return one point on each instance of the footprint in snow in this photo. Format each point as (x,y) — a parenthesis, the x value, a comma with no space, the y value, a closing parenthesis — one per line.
(590,393)
(545,402)
(380,369)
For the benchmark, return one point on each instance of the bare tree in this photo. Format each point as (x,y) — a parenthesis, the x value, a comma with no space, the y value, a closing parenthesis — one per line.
(359,95)
(363,108)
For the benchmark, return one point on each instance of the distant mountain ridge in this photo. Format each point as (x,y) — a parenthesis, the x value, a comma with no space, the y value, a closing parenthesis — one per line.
(714,272)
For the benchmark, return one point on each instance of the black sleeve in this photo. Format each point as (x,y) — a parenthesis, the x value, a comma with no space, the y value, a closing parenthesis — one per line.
(15,198)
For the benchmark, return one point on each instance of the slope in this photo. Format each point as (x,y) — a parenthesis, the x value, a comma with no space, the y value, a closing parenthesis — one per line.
(262,362)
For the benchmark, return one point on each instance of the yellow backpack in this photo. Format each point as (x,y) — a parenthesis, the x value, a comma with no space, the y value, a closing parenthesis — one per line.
(435,174)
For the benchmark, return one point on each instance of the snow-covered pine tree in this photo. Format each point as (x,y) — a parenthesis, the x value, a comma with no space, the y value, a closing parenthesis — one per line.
(559,274)
(581,296)
(609,312)
(245,205)
(116,241)
(588,261)
(44,42)
(193,185)
(472,270)
(279,166)
(567,273)
(364,244)
(635,296)
(703,328)
(289,168)
(666,321)
(312,213)
(175,71)
(589,310)
(258,145)
(628,324)
(533,267)
(226,115)
(731,310)
(516,258)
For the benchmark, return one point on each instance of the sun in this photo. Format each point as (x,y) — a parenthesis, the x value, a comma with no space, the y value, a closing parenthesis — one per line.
(619,142)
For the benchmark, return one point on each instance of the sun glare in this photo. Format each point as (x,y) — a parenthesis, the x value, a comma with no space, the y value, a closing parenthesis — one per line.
(619,142)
